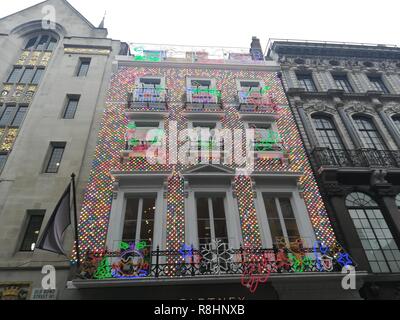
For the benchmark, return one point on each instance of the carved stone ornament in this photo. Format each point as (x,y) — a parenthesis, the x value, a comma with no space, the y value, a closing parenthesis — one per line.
(357,107)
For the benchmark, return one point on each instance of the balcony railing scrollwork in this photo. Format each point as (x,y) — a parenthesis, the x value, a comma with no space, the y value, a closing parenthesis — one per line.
(356,158)
(256,101)
(148,98)
(214,259)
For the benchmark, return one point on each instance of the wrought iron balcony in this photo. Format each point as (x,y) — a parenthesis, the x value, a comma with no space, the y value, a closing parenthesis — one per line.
(256,101)
(356,158)
(199,99)
(213,259)
(148,98)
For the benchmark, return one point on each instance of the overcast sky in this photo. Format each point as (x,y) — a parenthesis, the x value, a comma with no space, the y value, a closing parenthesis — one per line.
(232,23)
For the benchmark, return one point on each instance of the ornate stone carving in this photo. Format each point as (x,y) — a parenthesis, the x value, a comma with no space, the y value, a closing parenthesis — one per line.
(378,177)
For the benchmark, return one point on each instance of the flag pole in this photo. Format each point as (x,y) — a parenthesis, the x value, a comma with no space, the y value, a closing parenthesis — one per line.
(75,220)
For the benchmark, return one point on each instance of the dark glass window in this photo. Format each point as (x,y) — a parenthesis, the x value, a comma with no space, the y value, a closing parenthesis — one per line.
(19,117)
(42,43)
(140,212)
(7,115)
(31,43)
(281,219)
(83,67)
(211,219)
(54,162)
(70,109)
(343,83)
(369,133)
(52,44)
(3,159)
(38,76)
(27,75)
(378,84)
(327,133)
(376,238)
(32,232)
(15,75)
(306,81)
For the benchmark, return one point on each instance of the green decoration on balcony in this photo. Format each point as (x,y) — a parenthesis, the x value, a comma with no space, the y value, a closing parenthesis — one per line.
(103,270)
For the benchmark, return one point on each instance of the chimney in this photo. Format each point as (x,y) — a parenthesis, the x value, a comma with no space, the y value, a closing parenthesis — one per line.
(255,49)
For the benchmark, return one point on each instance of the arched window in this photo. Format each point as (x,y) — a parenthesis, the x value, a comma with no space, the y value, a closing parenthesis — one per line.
(396,120)
(327,133)
(44,42)
(369,133)
(377,240)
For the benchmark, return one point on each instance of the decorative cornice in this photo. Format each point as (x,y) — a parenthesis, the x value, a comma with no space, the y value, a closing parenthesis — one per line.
(358,107)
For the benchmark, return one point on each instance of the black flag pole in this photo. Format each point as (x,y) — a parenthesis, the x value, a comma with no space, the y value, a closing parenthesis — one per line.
(75,220)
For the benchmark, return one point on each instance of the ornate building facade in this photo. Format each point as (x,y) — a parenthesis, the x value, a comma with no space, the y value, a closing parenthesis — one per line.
(346,101)
(53,80)
(196,227)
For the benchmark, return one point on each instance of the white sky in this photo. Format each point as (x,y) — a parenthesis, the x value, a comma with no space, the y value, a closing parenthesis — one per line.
(232,23)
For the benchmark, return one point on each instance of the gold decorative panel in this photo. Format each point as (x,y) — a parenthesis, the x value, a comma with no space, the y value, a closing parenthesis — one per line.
(8,140)
(87,51)
(15,291)
(19,90)
(45,59)
(23,57)
(5,92)
(33,61)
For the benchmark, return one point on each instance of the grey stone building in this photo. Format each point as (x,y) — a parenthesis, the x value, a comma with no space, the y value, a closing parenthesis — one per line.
(53,83)
(346,101)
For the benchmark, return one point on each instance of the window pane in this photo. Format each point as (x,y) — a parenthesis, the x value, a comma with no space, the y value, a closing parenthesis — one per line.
(131,213)
(3,159)
(31,43)
(147,226)
(220,229)
(70,109)
(270,207)
(307,82)
(378,84)
(15,75)
(218,208)
(19,117)
(32,233)
(27,76)
(55,160)
(286,208)
(6,117)
(52,44)
(369,133)
(204,231)
(202,208)
(83,68)
(38,76)
(42,43)
(274,222)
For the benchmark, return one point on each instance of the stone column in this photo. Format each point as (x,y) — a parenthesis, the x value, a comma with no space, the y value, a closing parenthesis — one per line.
(307,127)
(390,126)
(350,128)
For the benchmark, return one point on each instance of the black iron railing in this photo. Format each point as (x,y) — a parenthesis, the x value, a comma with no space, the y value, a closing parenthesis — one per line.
(148,97)
(256,101)
(211,260)
(356,158)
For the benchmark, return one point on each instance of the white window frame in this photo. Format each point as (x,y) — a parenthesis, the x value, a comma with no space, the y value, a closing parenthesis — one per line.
(303,220)
(231,216)
(118,211)
(240,88)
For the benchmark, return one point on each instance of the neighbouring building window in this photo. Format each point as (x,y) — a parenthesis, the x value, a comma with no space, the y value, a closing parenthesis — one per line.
(306,81)
(38,76)
(41,42)
(54,160)
(211,219)
(378,84)
(139,219)
(83,68)
(19,117)
(27,75)
(32,231)
(12,115)
(343,83)
(281,218)
(398,201)
(369,133)
(377,240)
(15,75)
(70,108)
(3,159)
(326,132)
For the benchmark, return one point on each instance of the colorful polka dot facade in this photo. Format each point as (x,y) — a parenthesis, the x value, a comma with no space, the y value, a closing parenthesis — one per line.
(95,213)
